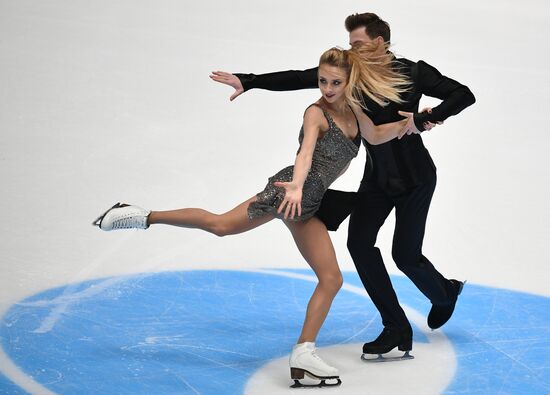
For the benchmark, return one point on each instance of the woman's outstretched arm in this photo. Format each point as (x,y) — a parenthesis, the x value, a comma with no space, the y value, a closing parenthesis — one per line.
(313,121)
(380,134)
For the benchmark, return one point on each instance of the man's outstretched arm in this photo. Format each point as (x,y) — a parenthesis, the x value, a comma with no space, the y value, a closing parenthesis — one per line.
(279,81)
(290,80)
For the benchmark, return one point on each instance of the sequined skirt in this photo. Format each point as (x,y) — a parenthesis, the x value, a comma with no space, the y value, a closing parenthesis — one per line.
(271,197)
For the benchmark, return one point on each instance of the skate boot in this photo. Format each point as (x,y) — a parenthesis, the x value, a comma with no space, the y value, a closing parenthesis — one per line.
(441,313)
(305,361)
(390,338)
(123,216)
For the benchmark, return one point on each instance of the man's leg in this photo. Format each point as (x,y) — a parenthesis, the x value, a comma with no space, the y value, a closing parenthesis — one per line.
(411,212)
(372,209)
(335,207)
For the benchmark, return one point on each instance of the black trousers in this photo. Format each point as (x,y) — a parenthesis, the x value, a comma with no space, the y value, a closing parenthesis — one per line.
(370,208)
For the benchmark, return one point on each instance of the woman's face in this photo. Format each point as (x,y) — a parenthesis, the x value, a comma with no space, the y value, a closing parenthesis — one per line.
(332,82)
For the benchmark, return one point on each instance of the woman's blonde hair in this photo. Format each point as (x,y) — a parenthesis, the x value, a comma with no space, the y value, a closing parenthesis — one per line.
(368,73)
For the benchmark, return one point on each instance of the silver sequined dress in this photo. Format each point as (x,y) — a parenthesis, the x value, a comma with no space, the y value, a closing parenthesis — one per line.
(332,154)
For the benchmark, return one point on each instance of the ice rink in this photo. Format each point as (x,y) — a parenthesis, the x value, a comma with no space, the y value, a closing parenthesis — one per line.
(109,101)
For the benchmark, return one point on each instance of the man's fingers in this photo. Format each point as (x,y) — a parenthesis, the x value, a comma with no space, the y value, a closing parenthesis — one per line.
(235,95)
(221,73)
(221,79)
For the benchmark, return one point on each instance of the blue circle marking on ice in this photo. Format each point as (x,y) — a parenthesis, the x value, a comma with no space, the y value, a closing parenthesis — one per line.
(208,332)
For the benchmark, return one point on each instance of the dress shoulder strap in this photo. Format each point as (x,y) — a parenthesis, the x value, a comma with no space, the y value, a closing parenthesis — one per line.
(325,112)
(356,119)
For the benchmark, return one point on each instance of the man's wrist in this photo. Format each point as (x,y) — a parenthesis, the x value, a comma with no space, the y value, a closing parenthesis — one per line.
(246,80)
(419,119)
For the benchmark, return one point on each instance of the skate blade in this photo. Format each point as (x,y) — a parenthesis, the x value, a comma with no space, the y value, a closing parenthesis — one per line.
(98,220)
(323,383)
(312,380)
(382,358)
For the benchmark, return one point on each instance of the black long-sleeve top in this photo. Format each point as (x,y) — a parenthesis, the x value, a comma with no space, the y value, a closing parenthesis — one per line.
(399,164)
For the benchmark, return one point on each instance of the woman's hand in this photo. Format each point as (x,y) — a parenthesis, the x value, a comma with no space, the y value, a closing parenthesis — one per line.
(429,125)
(292,200)
(228,79)
(411,126)
(405,124)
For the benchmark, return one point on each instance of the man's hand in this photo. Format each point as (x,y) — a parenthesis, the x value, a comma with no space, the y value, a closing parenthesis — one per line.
(429,125)
(228,79)
(411,127)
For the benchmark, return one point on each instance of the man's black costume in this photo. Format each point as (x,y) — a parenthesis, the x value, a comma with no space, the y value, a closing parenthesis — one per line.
(400,174)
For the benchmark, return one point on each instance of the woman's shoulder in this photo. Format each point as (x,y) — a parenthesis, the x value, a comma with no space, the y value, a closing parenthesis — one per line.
(314,110)
(315,117)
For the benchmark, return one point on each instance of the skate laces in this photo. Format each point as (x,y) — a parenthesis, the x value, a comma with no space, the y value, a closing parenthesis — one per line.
(129,222)
(317,357)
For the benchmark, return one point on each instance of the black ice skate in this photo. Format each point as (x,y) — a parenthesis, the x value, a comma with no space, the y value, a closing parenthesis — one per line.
(440,314)
(390,338)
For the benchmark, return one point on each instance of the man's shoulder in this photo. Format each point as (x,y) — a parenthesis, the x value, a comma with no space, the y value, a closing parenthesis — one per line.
(407,63)
(414,69)
(404,60)
(406,67)
(403,65)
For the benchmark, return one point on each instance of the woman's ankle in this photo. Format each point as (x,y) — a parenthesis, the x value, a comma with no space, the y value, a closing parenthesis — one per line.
(151,218)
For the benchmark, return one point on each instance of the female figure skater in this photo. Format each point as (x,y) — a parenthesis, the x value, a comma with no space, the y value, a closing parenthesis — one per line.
(329,139)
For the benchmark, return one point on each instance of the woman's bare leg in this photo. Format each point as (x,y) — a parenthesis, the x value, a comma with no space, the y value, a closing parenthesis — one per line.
(316,247)
(311,237)
(230,223)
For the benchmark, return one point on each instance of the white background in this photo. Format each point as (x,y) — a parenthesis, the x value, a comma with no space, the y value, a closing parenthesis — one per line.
(110,101)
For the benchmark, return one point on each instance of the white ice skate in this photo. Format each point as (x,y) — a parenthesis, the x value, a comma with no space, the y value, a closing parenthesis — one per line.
(123,216)
(305,361)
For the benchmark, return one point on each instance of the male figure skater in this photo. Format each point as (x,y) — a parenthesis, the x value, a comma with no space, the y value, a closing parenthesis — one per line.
(399,174)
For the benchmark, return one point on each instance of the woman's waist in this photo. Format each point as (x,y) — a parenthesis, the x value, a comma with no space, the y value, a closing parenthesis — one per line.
(325,175)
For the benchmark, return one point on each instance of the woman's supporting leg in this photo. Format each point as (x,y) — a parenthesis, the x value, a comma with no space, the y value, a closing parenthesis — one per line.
(316,247)
(230,223)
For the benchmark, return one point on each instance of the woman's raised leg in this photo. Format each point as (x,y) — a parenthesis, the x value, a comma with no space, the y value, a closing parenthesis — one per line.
(230,223)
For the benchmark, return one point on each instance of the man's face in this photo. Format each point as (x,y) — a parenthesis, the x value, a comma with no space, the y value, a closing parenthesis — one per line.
(360,36)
